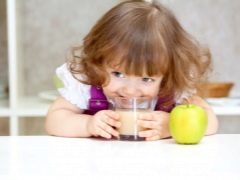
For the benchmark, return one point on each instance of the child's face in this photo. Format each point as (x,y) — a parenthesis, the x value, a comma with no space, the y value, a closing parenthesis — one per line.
(123,85)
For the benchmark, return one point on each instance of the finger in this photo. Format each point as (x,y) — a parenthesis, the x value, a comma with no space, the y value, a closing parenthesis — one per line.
(112,122)
(149,124)
(108,129)
(101,132)
(152,115)
(112,114)
(148,133)
(153,138)
(145,116)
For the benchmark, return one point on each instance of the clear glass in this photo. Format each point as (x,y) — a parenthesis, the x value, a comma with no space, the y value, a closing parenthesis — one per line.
(129,110)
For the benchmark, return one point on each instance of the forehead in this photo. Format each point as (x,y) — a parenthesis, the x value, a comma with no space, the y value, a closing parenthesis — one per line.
(132,61)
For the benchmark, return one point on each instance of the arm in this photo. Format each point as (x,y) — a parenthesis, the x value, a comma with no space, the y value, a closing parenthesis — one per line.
(212,118)
(65,119)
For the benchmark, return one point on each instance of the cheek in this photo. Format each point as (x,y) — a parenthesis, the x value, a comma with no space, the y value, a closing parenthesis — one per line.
(154,89)
(110,88)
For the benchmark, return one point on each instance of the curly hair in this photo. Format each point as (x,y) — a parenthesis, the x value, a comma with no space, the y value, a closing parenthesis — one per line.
(141,37)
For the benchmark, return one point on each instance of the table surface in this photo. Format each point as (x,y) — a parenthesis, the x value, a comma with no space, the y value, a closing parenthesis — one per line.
(47,157)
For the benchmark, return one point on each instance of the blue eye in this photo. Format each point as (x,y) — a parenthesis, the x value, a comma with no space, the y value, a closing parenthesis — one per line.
(146,79)
(118,74)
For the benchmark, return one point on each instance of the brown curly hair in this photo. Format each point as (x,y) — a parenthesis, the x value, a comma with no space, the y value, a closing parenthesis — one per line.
(141,37)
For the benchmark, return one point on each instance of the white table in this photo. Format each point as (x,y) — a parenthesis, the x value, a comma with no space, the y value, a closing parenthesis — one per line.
(46,157)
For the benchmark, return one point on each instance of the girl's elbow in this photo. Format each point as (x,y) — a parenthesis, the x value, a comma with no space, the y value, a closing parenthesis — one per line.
(48,125)
(212,128)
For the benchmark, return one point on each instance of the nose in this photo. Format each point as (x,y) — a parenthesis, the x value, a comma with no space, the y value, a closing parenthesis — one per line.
(131,90)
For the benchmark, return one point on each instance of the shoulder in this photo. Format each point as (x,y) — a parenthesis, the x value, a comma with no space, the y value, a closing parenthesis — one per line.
(72,89)
(63,71)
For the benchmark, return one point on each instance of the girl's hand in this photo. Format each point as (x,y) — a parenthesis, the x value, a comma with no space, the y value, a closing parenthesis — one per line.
(156,123)
(103,124)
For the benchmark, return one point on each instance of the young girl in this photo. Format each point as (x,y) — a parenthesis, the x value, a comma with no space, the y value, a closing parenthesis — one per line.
(137,49)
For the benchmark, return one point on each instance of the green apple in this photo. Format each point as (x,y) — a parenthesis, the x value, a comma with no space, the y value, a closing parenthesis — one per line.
(188,123)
